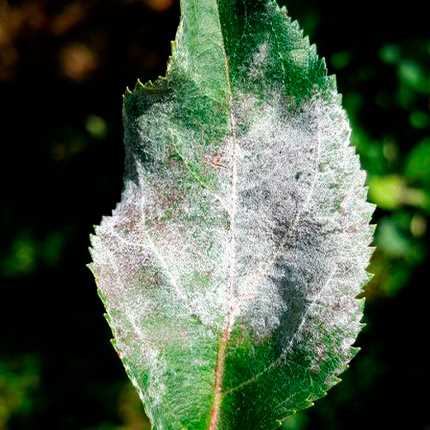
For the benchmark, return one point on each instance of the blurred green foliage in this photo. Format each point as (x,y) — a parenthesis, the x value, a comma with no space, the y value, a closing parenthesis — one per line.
(19,379)
(63,67)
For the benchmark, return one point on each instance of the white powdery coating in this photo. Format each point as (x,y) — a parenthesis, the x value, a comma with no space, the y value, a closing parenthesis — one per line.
(259,61)
(281,239)
(301,215)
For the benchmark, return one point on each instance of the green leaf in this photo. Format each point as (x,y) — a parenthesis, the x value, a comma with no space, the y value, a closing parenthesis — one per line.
(231,266)
(387,191)
(418,162)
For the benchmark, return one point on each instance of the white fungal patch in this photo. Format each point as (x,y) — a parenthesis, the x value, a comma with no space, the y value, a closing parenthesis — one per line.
(277,240)
(289,185)
(259,60)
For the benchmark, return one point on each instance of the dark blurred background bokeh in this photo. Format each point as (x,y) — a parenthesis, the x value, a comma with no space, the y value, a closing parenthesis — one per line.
(63,68)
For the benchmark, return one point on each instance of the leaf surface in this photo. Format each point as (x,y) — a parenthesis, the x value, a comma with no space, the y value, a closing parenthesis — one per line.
(231,266)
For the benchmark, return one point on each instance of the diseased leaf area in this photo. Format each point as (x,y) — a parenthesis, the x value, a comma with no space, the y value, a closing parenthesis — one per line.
(231,267)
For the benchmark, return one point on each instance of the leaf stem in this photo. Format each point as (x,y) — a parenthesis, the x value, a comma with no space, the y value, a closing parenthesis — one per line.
(219,373)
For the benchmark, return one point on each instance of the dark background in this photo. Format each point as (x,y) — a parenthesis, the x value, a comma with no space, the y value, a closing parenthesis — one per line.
(63,68)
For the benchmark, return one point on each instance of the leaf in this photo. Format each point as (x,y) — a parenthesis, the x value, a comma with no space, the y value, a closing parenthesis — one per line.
(417,162)
(231,266)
